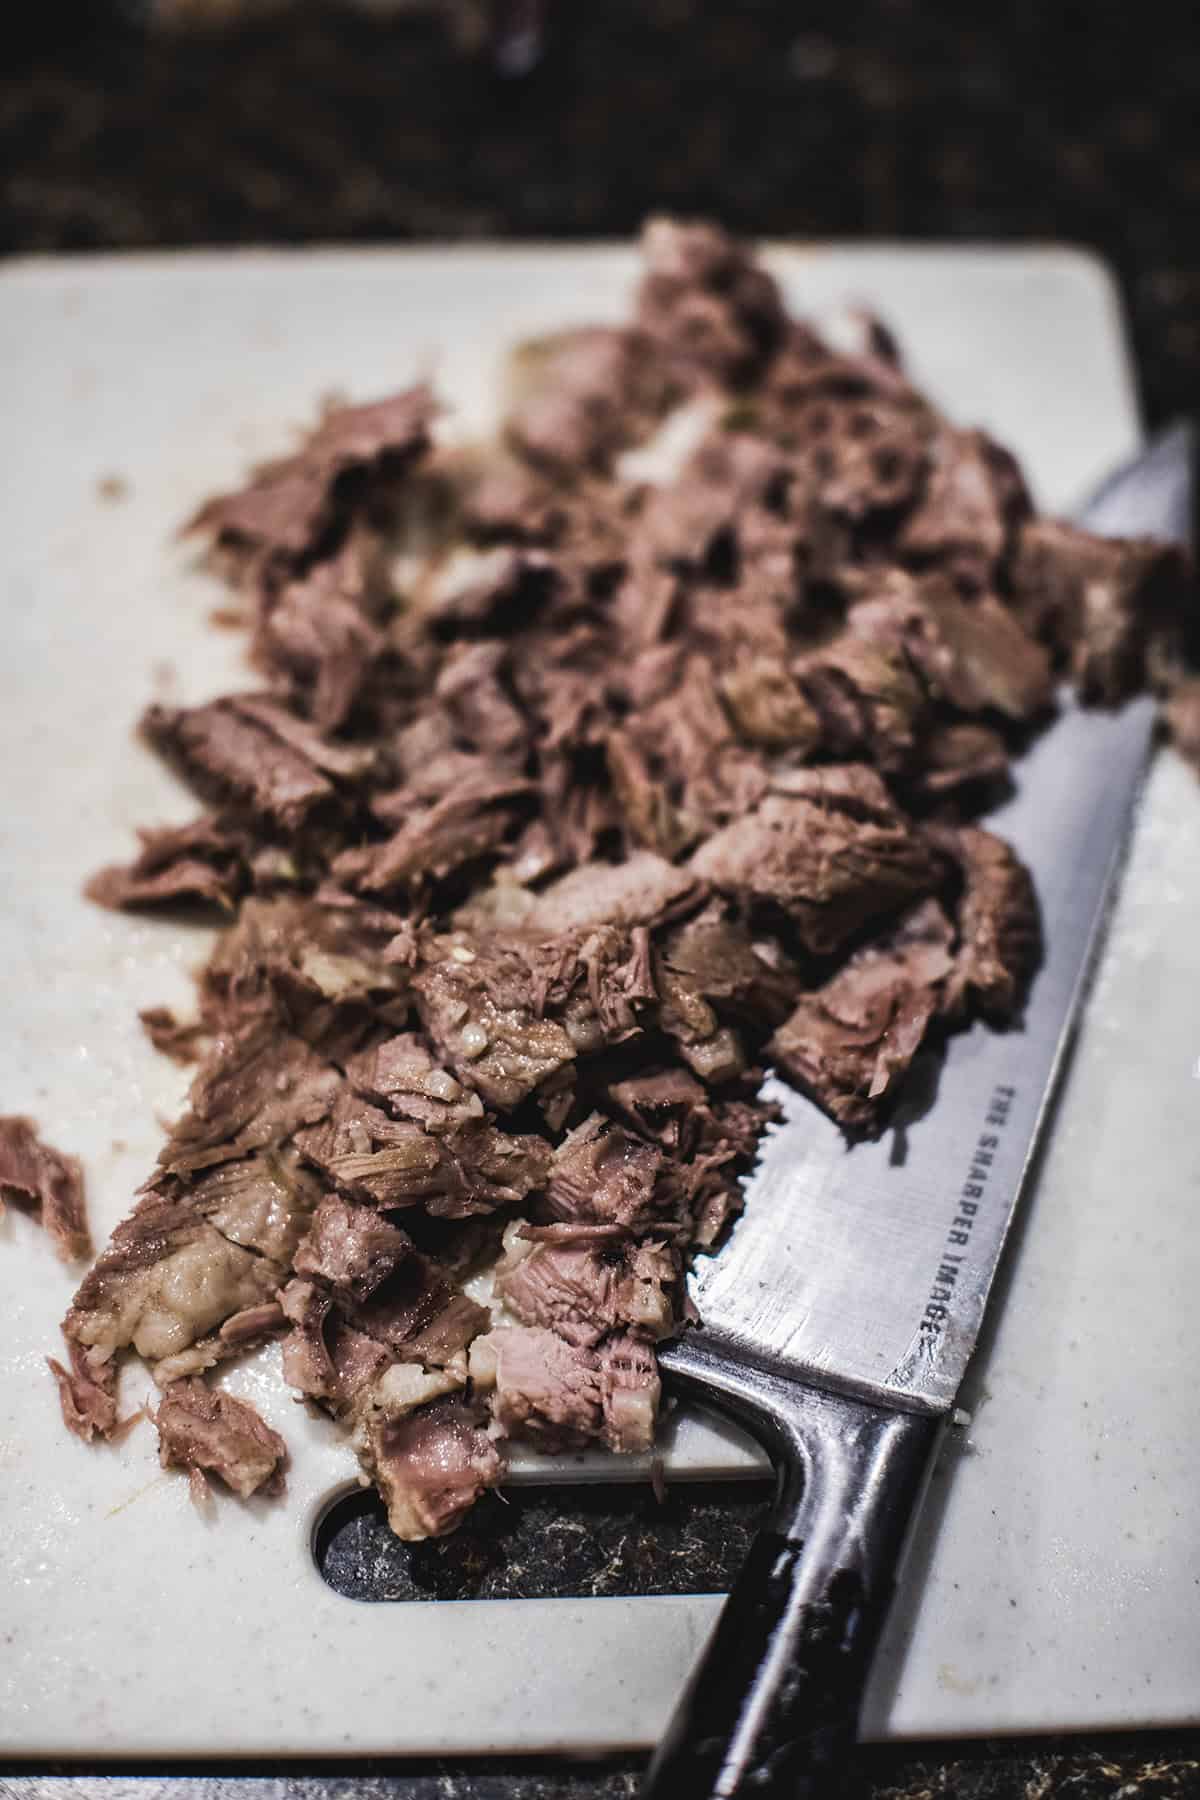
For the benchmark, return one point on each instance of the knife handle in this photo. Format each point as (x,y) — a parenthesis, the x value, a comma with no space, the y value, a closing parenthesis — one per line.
(771,1709)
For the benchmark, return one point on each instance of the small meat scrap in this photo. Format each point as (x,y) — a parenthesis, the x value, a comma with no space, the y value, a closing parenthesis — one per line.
(400,1075)
(999,927)
(202,863)
(958,760)
(642,890)
(560,1396)
(828,871)
(183,1040)
(322,631)
(603,1174)
(590,772)
(87,1392)
(768,704)
(585,1287)
(477,1003)
(43,1181)
(867,697)
(971,655)
(706,304)
(208,1432)
(352,1248)
(256,1088)
(660,1104)
(583,395)
(859,459)
(1102,602)
(686,733)
(544,1388)
(293,507)
(419,1315)
(391,1163)
(744,977)
(431,1465)
(630,1392)
(434,840)
(974,500)
(848,1042)
(311,965)
(238,752)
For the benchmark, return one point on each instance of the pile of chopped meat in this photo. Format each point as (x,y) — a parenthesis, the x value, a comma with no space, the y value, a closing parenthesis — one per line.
(570,798)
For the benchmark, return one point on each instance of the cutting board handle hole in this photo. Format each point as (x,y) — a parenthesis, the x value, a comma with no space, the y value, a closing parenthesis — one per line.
(551,1542)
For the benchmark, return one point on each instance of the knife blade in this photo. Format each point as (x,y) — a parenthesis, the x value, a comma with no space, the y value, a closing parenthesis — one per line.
(840,1316)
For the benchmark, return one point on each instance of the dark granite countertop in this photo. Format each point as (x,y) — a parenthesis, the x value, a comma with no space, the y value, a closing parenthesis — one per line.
(890,118)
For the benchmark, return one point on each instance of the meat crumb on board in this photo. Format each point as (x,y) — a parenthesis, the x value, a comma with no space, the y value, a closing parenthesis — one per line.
(43,1181)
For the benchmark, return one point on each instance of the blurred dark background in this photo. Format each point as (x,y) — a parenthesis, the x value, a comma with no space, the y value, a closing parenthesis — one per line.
(134,123)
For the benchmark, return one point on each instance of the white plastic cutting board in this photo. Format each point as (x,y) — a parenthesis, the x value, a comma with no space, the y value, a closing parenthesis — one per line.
(1055,1582)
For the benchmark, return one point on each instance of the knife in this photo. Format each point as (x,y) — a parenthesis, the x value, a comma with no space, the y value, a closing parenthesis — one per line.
(839,1318)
